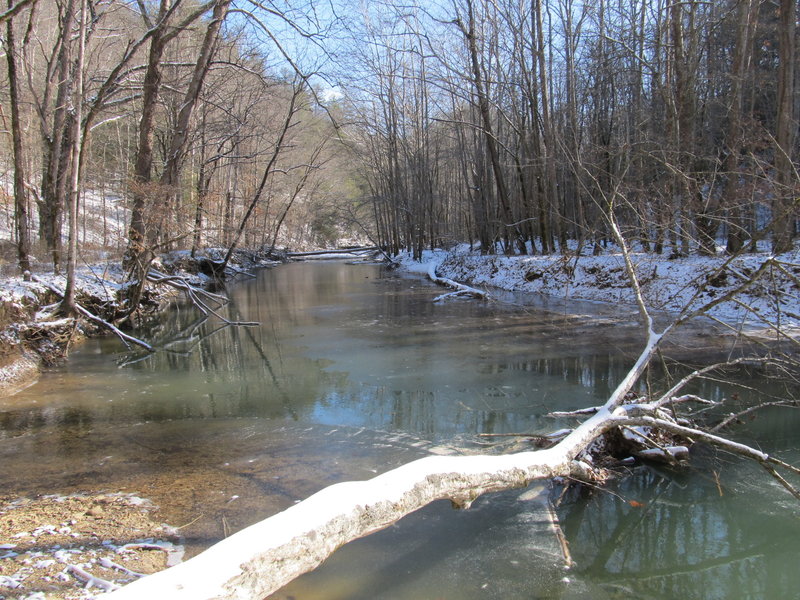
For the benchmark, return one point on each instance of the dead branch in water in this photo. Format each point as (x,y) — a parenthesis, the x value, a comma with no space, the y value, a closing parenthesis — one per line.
(202,299)
(126,339)
(262,558)
(460,288)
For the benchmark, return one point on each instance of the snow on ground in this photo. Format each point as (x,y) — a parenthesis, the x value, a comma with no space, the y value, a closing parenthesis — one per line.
(669,285)
(100,281)
(102,230)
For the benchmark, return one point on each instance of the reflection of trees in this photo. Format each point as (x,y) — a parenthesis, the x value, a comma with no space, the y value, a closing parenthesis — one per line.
(244,371)
(14,421)
(687,543)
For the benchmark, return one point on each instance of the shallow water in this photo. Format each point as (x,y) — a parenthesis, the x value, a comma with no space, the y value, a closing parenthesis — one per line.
(353,371)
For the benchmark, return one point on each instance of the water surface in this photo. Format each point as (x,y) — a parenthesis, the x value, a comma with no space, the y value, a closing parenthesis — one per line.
(353,371)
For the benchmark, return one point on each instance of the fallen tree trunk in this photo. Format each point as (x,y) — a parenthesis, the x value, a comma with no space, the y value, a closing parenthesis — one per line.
(262,558)
(460,288)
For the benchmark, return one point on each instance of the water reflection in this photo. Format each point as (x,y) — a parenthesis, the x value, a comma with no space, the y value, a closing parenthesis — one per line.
(353,371)
(688,537)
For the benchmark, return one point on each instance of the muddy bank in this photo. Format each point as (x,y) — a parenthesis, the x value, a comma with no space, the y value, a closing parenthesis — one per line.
(18,370)
(69,547)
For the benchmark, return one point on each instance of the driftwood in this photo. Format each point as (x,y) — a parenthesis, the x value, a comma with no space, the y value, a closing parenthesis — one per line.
(460,288)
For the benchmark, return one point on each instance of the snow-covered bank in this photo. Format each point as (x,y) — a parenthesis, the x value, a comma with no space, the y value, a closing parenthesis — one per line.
(32,332)
(668,284)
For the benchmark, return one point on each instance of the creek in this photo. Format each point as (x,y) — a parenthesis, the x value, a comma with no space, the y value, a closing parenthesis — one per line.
(354,370)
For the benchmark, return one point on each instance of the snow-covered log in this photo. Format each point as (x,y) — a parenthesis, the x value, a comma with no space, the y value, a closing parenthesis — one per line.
(460,288)
(262,558)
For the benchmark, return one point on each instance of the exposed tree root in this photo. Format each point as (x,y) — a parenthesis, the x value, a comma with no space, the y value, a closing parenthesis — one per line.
(126,339)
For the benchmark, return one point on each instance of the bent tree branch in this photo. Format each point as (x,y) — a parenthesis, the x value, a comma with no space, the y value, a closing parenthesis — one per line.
(264,557)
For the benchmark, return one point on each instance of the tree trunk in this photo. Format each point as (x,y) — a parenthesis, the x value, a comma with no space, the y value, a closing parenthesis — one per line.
(20,194)
(747,18)
(136,257)
(68,305)
(279,146)
(58,142)
(170,177)
(486,119)
(784,209)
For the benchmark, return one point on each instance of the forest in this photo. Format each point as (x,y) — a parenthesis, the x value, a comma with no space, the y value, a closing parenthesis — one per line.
(515,126)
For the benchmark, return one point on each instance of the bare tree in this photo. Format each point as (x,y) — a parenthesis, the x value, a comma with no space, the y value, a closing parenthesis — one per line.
(20,191)
(170,176)
(68,303)
(268,171)
(747,19)
(785,127)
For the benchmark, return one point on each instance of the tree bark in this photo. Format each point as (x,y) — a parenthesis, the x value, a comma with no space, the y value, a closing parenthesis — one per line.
(135,256)
(784,209)
(20,194)
(68,304)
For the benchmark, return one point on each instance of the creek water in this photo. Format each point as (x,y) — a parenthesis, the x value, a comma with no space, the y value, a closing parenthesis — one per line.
(354,370)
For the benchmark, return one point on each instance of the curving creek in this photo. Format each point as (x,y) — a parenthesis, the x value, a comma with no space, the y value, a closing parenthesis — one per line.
(353,371)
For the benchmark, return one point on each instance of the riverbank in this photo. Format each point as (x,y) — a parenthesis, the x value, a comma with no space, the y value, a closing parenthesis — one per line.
(33,335)
(757,292)
(70,547)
